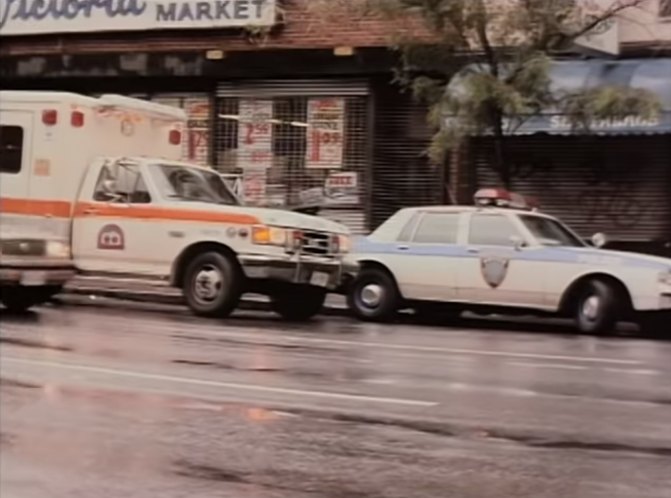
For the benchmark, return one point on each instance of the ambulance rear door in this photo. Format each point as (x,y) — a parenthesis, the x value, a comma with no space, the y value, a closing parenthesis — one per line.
(15,172)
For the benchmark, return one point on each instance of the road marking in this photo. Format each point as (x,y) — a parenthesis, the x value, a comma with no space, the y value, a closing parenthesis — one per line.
(547,365)
(211,383)
(632,371)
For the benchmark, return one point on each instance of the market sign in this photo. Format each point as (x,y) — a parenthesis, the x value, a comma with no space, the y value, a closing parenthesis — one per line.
(29,17)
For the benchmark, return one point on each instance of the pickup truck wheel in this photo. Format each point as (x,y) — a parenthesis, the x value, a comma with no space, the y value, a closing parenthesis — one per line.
(298,304)
(19,299)
(373,296)
(596,310)
(212,285)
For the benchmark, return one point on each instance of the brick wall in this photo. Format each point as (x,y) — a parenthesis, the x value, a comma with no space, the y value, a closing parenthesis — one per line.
(303,28)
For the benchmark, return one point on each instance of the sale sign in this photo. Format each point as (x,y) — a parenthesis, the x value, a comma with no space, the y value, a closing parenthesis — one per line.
(326,128)
(254,183)
(255,134)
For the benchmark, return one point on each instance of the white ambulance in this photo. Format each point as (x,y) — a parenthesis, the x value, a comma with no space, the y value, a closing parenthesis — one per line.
(95,185)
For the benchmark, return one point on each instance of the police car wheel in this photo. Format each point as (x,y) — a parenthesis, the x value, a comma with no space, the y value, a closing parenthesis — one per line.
(212,285)
(373,296)
(596,311)
(298,303)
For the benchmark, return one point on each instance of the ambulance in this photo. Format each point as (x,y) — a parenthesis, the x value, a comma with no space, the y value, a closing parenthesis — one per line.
(95,186)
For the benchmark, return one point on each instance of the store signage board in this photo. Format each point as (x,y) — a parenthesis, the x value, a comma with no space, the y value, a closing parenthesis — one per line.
(32,17)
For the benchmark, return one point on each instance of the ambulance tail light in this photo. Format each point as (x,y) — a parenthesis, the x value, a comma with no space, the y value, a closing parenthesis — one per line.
(77,119)
(175,137)
(50,117)
(498,197)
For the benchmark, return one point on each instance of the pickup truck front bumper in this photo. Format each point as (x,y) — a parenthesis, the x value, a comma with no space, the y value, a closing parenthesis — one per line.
(305,270)
(36,272)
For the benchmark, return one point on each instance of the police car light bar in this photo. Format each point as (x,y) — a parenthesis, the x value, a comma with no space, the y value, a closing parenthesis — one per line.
(499,197)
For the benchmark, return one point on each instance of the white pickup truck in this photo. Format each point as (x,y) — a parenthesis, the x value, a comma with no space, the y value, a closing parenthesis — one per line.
(84,191)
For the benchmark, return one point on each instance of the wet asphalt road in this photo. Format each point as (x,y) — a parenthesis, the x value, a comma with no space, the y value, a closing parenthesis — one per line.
(139,402)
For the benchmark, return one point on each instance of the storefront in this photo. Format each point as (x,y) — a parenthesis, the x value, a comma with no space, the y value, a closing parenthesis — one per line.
(615,179)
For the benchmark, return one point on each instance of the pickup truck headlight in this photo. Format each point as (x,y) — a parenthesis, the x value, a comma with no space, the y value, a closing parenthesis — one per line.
(56,249)
(269,236)
(344,243)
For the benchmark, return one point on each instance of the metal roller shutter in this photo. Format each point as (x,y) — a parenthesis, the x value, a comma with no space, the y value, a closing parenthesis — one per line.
(402,174)
(296,142)
(617,185)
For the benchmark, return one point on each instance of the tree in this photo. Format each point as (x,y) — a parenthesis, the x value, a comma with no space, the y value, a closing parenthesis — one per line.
(501,52)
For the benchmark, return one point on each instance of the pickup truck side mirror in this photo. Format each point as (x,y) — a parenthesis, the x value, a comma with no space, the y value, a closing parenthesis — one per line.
(518,242)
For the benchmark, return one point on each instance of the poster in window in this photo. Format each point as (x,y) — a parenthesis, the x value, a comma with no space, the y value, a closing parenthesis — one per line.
(341,188)
(255,134)
(325,133)
(197,140)
(254,185)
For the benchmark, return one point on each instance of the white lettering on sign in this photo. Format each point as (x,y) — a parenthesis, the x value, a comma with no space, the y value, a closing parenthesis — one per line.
(562,122)
(24,17)
(255,133)
(326,127)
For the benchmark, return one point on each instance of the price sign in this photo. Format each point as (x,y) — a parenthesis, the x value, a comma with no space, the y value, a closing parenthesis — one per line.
(255,134)
(326,127)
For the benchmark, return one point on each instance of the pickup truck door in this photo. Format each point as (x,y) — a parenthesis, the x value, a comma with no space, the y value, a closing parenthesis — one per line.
(498,268)
(427,261)
(112,232)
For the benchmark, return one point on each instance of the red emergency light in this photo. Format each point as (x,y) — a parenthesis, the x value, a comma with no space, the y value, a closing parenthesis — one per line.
(499,197)
(77,119)
(175,137)
(50,117)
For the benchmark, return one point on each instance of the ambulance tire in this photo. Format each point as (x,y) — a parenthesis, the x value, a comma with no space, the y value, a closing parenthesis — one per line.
(298,303)
(597,308)
(374,296)
(17,299)
(212,285)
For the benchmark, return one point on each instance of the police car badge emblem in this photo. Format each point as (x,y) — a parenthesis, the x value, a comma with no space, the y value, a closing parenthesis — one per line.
(494,270)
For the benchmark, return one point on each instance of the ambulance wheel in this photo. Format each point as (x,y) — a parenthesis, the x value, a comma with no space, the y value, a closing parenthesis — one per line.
(18,299)
(212,285)
(597,308)
(298,303)
(373,296)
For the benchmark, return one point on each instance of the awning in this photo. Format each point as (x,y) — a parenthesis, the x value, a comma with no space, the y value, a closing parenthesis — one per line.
(649,74)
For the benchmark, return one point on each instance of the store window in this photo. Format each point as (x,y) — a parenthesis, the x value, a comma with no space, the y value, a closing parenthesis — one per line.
(293,151)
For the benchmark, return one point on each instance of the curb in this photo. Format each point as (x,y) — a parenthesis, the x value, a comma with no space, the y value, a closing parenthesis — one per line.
(177,300)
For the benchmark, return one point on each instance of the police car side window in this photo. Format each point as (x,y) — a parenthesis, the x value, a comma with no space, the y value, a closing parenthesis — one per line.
(491,230)
(408,229)
(438,228)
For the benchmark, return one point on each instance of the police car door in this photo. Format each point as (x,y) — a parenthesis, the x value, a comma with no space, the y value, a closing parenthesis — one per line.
(495,269)
(426,259)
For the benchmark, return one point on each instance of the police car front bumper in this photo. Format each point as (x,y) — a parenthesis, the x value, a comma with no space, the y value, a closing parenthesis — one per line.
(35,272)
(319,272)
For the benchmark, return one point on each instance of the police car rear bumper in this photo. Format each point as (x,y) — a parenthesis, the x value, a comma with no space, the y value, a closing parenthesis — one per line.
(319,272)
(35,272)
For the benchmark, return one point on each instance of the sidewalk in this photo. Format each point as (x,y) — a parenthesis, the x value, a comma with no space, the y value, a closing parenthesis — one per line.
(138,290)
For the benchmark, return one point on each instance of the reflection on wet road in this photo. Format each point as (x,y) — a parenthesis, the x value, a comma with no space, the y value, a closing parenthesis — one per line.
(140,403)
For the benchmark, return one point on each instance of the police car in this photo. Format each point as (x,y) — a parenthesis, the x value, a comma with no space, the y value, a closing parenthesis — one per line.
(503,255)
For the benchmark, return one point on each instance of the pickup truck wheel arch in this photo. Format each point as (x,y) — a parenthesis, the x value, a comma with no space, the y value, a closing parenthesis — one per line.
(190,253)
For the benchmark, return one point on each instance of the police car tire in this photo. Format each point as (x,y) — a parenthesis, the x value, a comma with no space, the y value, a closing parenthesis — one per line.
(606,318)
(298,304)
(387,308)
(229,297)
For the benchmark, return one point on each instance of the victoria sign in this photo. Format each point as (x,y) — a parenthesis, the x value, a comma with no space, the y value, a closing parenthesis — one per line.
(26,17)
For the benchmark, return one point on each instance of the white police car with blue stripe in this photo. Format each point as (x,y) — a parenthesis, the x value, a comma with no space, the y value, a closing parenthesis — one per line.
(502,255)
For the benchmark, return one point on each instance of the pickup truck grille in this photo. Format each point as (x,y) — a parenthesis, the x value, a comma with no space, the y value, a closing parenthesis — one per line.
(23,247)
(315,243)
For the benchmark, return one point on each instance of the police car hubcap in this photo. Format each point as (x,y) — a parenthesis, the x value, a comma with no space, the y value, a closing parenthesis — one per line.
(207,283)
(590,308)
(371,295)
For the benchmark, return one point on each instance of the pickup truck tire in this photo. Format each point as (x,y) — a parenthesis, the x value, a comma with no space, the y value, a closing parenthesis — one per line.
(597,308)
(298,303)
(18,299)
(373,296)
(212,285)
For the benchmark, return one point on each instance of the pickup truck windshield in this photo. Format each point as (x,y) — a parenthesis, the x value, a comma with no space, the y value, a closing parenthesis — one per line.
(549,232)
(192,184)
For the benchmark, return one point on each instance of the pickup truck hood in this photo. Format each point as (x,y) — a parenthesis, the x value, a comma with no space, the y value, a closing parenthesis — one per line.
(274,217)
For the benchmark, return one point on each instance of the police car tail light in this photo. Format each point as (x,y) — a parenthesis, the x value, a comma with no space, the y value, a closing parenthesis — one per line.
(498,197)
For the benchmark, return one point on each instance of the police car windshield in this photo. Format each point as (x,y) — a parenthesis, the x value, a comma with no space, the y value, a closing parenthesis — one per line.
(192,184)
(549,232)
